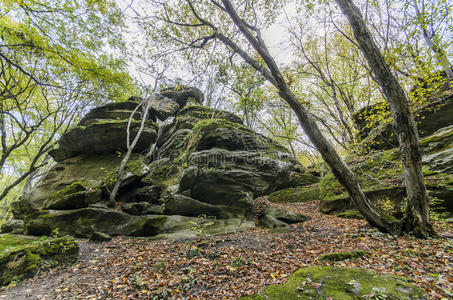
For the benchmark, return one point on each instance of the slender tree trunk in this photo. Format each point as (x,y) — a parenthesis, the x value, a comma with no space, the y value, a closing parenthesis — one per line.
(130,148)
(308,123)
(436,48)
(417,215)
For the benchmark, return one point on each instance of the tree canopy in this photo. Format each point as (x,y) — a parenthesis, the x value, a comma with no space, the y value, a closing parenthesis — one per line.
(57,58)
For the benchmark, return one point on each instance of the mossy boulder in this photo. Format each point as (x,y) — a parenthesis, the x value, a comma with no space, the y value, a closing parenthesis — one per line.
(182,205)
(113,111)
(14,226)
(22,256)
(350,214)
(83,222)
(284,215)
(74,182)
(324,282)
(272,222)
(76,195)
(296,194)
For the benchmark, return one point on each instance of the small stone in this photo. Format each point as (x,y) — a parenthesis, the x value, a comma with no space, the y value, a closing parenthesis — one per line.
(271,222)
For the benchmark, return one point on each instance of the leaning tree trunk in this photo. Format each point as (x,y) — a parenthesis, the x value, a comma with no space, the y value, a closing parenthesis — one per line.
(417,214)
(308,123)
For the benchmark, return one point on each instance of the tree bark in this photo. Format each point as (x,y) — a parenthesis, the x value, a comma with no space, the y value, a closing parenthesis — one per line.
(417,214)
(308,123)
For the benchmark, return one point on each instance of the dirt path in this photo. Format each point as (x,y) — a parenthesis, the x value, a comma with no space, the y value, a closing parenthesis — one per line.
(228,266)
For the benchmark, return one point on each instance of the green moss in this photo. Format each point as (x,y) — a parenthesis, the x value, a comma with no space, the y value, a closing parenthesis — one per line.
(76,195)
(22,256)
(10,241)
(135,165)
(319,282)
(280,230)
(297,194)
(350,214)
(339,256)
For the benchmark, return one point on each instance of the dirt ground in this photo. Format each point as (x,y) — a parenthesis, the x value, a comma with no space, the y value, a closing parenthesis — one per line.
(234,265)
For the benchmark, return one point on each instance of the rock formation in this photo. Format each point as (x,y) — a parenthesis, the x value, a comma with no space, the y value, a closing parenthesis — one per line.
(197,172)
(380,172)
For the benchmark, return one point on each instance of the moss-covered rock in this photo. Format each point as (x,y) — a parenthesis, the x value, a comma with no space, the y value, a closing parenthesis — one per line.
(76,195)
(340,256)
(182,205)
(86,174)
(430,117)
(380,175)
(203,162)
(320,282)
(83,222)
(297,194)
(285,215)
(13,226)
(350,214)
(23,256)
(272,222)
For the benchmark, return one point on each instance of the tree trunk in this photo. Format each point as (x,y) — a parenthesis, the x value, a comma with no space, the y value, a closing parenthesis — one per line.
(437,49)
(308,123)
(130,148)
(417,214)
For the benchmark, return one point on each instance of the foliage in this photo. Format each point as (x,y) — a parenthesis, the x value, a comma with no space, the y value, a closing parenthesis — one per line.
(203,223)
(57,58)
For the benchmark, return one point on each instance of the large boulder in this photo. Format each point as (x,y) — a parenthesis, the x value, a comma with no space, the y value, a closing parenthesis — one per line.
(199,174)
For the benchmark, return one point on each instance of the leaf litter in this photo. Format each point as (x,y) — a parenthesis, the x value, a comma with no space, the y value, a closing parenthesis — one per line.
(234,265)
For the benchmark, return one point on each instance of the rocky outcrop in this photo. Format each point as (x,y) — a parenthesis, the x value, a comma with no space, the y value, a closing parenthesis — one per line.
(380,172)
(431,117)
(196,173)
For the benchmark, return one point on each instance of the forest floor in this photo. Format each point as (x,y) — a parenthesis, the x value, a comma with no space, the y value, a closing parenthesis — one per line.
(233,265)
